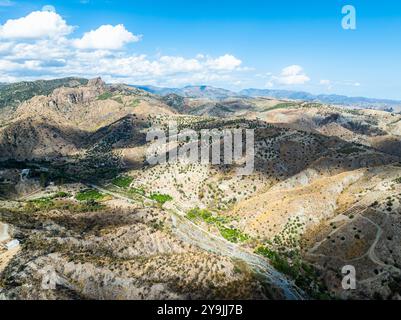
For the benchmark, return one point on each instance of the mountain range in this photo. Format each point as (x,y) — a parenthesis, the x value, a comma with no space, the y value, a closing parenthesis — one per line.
(77,192)
(210,92)
(15,93)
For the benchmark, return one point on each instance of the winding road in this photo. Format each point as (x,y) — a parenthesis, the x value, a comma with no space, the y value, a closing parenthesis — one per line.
(193,234)
(358,211)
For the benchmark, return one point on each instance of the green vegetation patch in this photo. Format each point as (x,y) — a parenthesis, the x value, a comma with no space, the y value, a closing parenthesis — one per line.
(89,194)
(233,235)
(42,203)
(105,96)
(46,203)
(291,264)
(160,198)
(135,103)
(123,181)
(61,194)
(230,234)
(140,191)
(206,216)
(49,204)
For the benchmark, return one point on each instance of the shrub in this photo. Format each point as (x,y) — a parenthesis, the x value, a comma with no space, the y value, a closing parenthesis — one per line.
(123,181)
(105,96)
(61,194)
(233,235)
(89,194)
(160,198)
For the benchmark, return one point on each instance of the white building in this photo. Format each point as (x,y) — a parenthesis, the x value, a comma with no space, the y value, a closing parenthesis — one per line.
(12,244)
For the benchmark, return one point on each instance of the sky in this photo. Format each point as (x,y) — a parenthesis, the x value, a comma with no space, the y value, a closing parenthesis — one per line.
(266,44)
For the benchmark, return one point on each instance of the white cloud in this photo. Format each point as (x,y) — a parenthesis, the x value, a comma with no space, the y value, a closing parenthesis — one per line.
(6,65)
(269,84)
(292,75)
(179,64)
(140,68)
(226,62)
(49,8)
(36,25)
(344,83)
(106,37)
(5,47)
(46,51)
(327,83)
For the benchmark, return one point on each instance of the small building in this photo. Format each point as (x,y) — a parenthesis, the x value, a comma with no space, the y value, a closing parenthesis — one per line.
(12,244)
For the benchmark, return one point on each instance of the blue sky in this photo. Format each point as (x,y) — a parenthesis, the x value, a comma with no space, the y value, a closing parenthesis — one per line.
(294,45)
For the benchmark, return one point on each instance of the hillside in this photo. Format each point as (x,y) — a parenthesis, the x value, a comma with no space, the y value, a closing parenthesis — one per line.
(324,192)
(15,93)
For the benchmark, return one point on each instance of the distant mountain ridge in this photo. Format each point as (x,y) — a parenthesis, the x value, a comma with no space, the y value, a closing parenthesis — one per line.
(324,98)
(191,91)
(12,94)
(218,93)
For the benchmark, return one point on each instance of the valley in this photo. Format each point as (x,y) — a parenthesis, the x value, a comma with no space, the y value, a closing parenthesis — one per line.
(88,209)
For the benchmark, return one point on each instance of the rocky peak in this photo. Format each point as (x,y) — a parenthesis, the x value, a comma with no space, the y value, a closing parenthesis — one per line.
(79,95)
(96,82)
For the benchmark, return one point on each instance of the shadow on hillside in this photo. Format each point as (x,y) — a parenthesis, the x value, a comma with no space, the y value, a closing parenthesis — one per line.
(282,153)
(285,152)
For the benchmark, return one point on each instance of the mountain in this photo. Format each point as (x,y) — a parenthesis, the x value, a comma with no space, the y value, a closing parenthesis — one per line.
(158,90)
(209,92)
(15,93)
(361,102)
(325,192)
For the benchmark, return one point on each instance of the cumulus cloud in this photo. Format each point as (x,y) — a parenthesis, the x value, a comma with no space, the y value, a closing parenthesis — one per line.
(141,68)
(36,25)
(292,75)
(179,64)
(49,7)
(226,62)
(40,45)
(106,37)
